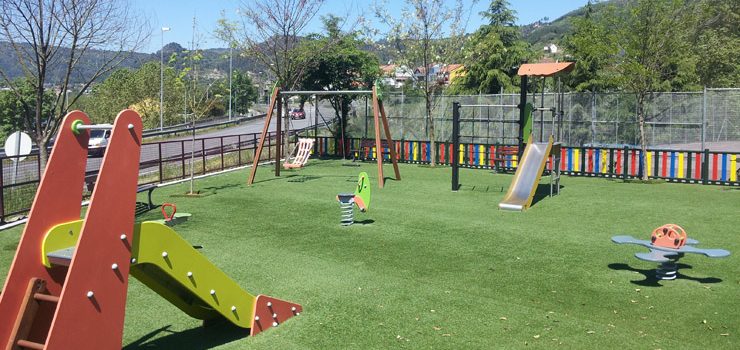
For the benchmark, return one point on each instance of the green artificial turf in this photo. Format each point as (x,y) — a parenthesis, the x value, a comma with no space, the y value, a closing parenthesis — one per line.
(430,268)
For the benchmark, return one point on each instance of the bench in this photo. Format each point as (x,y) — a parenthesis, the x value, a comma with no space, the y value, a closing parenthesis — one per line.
(366,145)
(502,155)
(91,177)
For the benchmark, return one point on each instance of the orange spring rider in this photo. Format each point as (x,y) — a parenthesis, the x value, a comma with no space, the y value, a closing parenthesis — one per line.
(669,236)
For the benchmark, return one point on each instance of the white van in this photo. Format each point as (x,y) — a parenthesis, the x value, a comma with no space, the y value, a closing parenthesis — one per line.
(98,142)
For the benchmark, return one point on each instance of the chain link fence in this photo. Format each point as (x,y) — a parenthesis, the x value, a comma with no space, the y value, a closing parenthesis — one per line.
(677,120)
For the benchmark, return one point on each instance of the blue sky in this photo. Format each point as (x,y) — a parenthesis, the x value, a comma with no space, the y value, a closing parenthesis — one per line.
(178,15)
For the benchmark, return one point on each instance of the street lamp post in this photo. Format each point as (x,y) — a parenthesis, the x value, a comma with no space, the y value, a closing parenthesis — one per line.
(161,80)
(231,73)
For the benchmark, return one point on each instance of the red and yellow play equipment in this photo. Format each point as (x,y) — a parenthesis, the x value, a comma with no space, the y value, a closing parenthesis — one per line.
(669,236)
(67,285)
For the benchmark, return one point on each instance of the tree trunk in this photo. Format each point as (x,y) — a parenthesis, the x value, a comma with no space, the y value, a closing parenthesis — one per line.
(428,106)
(43,154)
(286,142)
(643,140)
(38,134)
(430,120)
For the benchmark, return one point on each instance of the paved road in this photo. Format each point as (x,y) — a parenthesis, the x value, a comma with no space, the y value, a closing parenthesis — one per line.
(28,170)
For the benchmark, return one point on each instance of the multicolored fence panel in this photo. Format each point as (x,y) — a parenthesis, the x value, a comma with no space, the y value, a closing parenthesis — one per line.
(721,168)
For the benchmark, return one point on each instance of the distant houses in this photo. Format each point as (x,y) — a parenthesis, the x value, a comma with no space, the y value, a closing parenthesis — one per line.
(395,75)
(439,74)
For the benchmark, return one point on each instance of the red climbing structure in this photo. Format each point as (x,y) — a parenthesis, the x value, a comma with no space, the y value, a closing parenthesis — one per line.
(75,298)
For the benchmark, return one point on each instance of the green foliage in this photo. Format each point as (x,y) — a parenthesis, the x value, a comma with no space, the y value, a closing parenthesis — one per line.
(656,45)
(139,90)
(591,53)
(492,52)
(716,42)
(15,111)
(338,63)
(244,92)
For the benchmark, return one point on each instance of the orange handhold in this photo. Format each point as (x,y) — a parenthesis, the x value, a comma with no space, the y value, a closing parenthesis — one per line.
(168,217)
(360,204)
(669,236)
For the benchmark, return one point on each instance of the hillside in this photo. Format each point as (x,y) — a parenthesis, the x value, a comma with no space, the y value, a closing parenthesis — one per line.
(214,60)
(542,33)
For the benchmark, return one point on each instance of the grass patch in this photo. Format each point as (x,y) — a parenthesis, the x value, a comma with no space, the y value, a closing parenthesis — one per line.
(437,269)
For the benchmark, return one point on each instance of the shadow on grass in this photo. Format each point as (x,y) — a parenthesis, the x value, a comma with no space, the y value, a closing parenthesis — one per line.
(222,187)
(301,178)
(192,339)
(542,192)
(652,281)
(142,208)
(480,188)
(365,222)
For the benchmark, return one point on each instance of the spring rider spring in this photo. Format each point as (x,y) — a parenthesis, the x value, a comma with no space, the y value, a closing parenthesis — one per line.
(361,198)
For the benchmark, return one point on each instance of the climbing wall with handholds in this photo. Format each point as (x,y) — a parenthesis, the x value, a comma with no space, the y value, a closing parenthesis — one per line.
(57,200)
(68,282)
(93,299)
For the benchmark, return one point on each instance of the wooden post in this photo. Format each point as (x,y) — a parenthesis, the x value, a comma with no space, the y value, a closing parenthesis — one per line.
(389,140)
(261,143)
(378,154)
(279,134)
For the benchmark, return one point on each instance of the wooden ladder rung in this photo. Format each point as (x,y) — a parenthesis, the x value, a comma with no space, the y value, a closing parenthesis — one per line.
(46,297)
(30,345)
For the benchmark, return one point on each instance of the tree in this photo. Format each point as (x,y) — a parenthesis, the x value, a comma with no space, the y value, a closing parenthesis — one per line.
(12,109)
(270,31)
(244,92)
(715,41)
(590,52)
(58,34)
(344,67)
(492,52)
(428,32)
(647,45)
(138,90)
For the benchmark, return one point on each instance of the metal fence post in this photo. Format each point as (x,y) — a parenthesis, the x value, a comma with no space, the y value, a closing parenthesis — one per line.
(222,152)
(203,153)
(705,168)
(2,193)
(239,150)
(593,118)
(455,145)
(704,118)
(625,163)
(161,170)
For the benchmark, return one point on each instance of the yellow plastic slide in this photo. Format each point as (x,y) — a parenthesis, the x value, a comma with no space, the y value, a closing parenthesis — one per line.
(170,266)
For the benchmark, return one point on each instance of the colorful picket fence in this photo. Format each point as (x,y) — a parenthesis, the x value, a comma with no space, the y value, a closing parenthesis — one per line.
(672,165)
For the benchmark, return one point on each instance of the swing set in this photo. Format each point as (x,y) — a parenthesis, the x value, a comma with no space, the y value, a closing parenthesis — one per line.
(276,102)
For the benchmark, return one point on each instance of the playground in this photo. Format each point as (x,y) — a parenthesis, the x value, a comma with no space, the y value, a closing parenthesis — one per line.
(426,267)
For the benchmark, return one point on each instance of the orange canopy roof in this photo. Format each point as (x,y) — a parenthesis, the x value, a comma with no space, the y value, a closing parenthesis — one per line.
(545,69)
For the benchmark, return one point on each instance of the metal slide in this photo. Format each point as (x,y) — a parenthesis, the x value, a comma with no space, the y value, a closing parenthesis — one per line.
(527,176)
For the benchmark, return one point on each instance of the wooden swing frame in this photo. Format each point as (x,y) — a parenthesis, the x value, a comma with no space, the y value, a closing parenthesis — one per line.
(276,102)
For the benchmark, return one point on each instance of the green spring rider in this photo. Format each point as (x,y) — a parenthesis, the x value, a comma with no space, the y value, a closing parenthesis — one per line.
(361,198)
